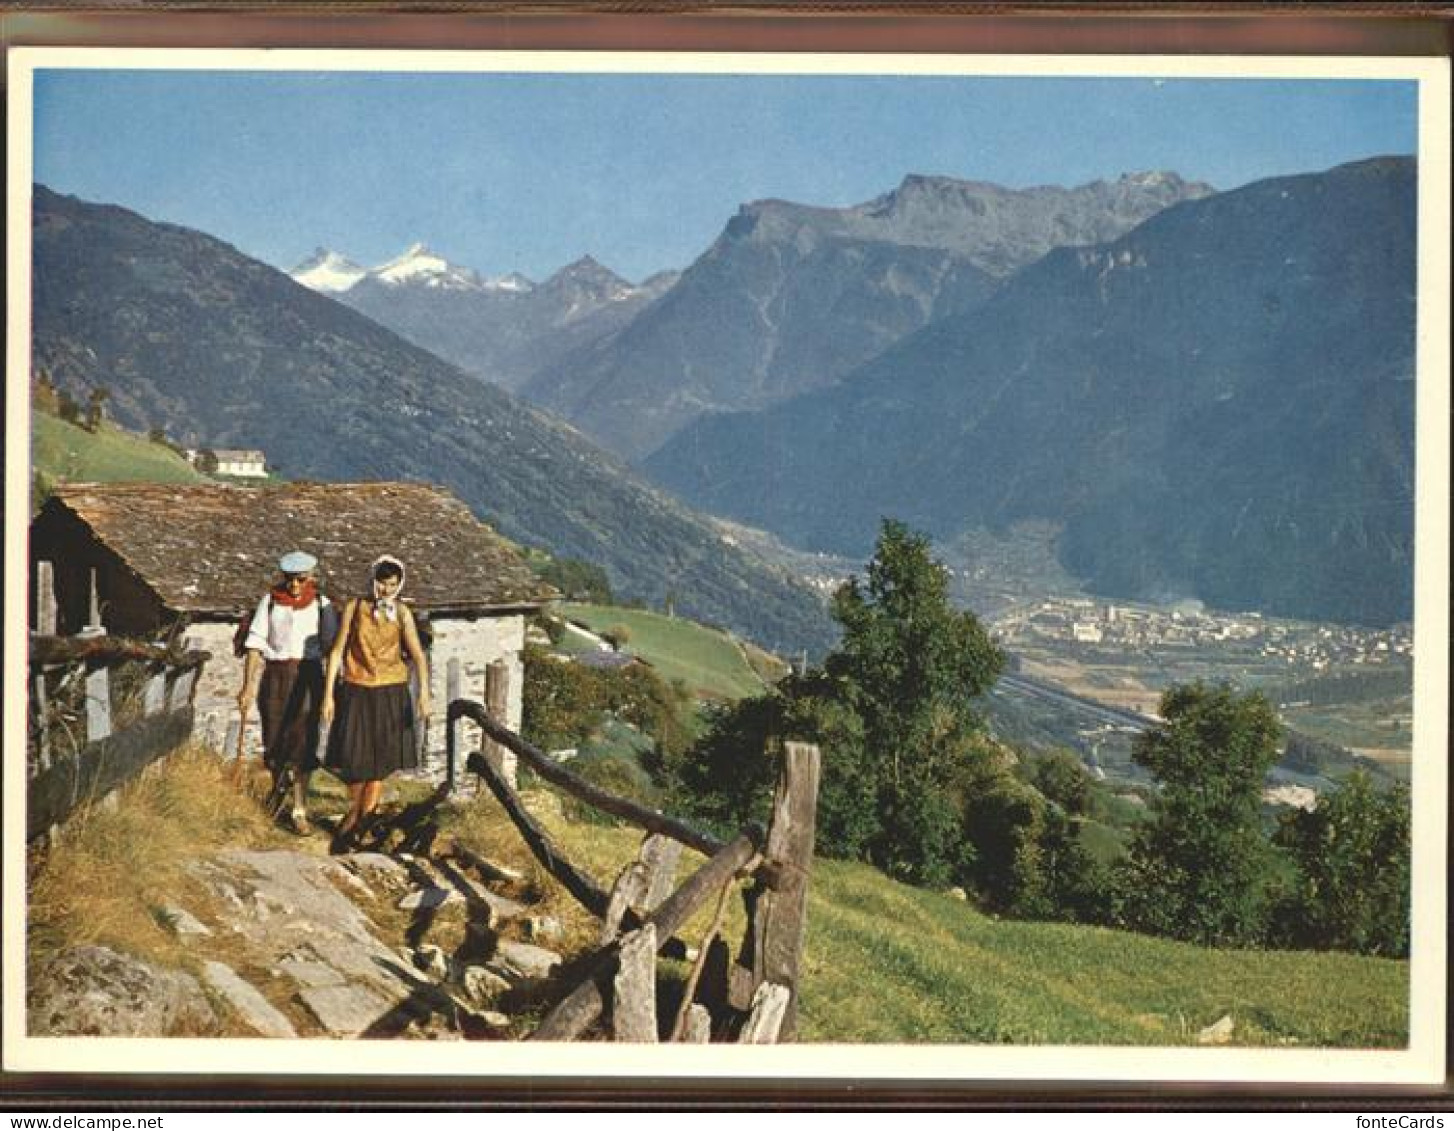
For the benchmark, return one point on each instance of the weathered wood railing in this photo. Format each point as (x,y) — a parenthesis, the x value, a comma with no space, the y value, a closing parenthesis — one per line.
(101,709)
(751,1000)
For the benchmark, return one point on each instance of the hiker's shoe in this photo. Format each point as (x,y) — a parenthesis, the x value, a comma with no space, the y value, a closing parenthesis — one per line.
(298,823)
(344,841)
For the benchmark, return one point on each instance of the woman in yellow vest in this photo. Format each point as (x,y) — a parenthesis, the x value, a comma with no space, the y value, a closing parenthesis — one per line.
(374,729)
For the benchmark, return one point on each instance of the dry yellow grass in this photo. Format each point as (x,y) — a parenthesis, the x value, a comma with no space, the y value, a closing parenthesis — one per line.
(111,870)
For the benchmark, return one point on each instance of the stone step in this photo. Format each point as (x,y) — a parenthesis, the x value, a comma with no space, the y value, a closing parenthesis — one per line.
(502,909)
(243,996)
(490,870)
(524,960)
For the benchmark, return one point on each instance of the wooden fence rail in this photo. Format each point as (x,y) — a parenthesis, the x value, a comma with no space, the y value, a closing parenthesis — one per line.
(754,999)
(86,735)
(552,771)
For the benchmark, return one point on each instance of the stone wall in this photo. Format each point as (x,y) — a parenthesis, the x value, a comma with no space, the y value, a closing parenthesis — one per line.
(473,645)
(216,703)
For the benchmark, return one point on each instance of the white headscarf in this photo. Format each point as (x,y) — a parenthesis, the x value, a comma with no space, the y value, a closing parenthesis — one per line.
(385,608)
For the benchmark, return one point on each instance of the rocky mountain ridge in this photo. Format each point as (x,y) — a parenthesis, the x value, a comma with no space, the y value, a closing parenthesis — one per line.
(791,297)
(1217,404)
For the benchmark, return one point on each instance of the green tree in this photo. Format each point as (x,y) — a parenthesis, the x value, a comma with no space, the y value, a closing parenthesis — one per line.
(577,580)
(565,704)
(562,701)
(43,396)
(1062,778)
(727,776)
(96,407)
(1200,868)
(910,666)
(1004,820)
(1353,859)
(67,408)
(890,709)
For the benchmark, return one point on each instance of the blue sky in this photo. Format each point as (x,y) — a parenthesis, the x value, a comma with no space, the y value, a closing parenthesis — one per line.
(529,172)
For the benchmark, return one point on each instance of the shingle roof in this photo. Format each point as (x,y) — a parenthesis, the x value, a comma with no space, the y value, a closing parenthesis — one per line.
(214,548)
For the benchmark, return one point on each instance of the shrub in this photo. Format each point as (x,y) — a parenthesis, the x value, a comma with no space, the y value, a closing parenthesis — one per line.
(1352,855)
(1201,868)
(615,774)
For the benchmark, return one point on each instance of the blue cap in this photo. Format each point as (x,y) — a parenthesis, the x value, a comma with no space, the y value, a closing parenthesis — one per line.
(297,562)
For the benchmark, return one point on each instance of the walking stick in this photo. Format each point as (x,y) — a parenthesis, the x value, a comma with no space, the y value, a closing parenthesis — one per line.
(239,772)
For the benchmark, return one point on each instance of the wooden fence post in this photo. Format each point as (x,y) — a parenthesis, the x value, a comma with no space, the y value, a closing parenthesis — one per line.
(779,921)
(767,1024)
(633,989)
(45,599)
(497,704)
(41,718)
(98,703)
(453,689)
(583,1004)
(643,884)
(156,693)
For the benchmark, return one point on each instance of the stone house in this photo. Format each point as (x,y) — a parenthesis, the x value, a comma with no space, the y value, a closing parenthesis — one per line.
(191,560)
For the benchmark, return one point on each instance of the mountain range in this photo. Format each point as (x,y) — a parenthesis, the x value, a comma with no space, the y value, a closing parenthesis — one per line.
(1218,403)
(502,329)
(220,350)
(791,297)
(1205,394)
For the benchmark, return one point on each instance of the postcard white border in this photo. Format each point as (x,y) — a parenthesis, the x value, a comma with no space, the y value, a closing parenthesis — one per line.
(1423,1063)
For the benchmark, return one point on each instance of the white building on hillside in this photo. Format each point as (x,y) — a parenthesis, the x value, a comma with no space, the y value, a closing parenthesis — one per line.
(241,464)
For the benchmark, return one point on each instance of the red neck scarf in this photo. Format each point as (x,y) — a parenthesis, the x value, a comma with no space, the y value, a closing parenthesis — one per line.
(306,595)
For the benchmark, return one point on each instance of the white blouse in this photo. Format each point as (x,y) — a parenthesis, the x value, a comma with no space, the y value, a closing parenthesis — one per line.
(281,633)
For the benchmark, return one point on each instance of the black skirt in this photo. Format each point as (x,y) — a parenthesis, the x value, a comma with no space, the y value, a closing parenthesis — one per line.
(373,732)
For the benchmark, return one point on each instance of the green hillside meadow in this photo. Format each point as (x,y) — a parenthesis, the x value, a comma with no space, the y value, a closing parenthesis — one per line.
(708,661)
(887,962)
(63,451)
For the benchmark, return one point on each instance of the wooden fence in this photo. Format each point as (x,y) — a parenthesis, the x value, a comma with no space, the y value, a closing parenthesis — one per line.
(100,710)
(753,999)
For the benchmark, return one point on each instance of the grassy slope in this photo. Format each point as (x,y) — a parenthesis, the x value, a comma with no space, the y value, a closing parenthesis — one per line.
(708,661)
(885,962)
(63,451)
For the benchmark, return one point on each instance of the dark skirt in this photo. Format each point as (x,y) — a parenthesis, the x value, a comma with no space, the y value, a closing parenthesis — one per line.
(373,732)
(289,697)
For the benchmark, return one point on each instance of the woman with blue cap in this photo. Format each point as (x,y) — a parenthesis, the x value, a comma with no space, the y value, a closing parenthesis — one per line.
(291,631)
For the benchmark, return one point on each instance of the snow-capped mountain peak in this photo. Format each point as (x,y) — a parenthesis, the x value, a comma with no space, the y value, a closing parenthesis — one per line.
(421,266)
(514,282)
(327,271)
